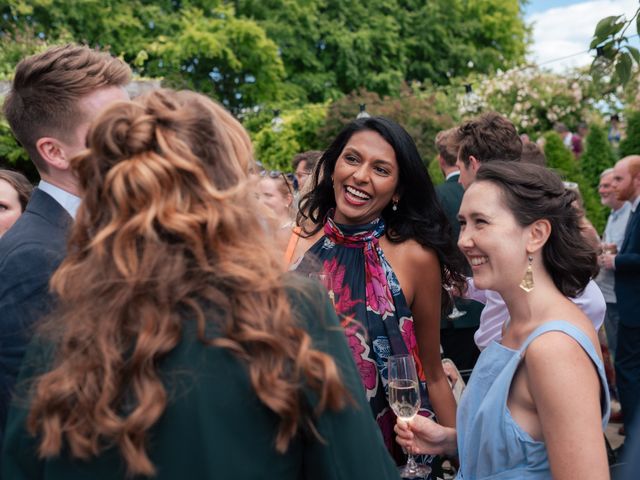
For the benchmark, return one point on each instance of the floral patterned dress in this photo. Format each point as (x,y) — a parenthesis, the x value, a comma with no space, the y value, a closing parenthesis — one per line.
(372,308)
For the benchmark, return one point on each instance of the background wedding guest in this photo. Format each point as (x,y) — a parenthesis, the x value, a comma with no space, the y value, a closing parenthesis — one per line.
(276,194)
(180,346)
(303,164)
(486,138)
(516,418)
(15,191)
(456,334)
(626,266)
(613,236)
(53,98)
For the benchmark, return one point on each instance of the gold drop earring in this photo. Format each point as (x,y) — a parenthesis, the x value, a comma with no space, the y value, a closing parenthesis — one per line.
(527,282)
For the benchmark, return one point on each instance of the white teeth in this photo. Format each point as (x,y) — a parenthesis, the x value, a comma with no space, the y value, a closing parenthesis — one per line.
(475,261)
(358,193)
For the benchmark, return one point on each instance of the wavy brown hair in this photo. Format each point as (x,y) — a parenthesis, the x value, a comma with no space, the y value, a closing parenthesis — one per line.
(167,231)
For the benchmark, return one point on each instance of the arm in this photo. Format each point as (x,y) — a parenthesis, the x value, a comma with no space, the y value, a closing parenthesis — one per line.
(571,424)
(626,262)
(426,283)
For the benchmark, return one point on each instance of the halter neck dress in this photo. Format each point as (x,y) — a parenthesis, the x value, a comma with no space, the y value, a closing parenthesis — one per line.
(372,309)
(491,445)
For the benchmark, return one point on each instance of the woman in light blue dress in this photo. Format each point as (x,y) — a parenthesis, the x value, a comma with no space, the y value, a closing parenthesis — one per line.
(537,403)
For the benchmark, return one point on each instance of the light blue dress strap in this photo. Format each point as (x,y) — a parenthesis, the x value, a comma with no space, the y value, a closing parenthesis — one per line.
(587,345)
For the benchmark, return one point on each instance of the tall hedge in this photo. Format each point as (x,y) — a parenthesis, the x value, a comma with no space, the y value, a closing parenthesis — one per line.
(560,159)
(630,144)
(598,155)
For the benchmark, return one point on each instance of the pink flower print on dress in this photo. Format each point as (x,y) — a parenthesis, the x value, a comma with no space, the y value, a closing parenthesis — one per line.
(409,337)
(342,293)
(360,351)
(379,299)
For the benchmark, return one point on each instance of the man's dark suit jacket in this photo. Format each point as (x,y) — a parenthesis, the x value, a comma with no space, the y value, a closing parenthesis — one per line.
(627,273)
(450,195)
(29,254)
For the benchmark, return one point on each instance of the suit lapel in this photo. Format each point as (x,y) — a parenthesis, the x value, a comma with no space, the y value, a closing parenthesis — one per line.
(631,228)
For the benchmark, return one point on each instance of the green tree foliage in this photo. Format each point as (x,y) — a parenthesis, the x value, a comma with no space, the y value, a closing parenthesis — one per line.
(630,145)
(416,113)
(560,159)
(330,46)
(275,148)
(598,155)
(197,44)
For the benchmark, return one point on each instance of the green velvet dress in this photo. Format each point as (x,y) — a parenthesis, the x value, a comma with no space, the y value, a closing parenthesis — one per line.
(215,427)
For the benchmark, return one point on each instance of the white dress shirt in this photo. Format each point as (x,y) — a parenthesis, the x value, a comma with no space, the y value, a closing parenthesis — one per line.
(67,200)
(495,313)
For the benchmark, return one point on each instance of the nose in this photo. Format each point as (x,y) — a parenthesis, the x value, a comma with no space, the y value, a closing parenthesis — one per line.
(361,173)
(465,240)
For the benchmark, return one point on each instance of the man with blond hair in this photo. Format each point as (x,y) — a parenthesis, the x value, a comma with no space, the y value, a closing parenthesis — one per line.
(626,266)
(53,98)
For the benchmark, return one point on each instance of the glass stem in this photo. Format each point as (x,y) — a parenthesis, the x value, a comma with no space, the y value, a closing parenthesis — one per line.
(412,467)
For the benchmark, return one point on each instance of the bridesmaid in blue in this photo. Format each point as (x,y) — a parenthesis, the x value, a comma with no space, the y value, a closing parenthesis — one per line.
(373,223)
(537,403)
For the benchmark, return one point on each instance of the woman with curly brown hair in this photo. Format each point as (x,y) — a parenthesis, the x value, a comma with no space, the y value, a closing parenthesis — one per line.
(180,349)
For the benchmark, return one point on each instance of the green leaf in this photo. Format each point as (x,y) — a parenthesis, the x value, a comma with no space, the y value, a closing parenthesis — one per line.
(623,68)
(635,53)
(605,26)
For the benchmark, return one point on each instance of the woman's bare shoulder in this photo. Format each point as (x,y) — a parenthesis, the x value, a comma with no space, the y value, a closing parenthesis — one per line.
(412,253)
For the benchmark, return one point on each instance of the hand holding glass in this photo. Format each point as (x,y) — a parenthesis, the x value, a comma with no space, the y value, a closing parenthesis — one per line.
(404,398)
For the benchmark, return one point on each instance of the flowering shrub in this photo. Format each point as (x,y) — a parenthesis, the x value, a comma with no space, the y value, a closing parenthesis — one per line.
(533,99)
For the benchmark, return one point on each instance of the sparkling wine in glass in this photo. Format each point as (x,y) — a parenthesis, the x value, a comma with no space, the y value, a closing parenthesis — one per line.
(455,313)
(404,398)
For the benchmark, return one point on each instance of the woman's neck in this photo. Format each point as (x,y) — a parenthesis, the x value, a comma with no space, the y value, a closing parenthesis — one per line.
(528,310)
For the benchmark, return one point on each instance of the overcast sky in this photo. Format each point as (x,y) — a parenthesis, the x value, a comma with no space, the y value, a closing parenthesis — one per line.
(565,27)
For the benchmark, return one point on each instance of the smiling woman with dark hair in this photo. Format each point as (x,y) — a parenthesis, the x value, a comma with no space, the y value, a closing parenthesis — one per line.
(537,402)
(373,222)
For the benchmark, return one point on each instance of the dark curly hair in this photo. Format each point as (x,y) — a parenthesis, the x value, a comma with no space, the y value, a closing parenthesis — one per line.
(532,193)
(419,215)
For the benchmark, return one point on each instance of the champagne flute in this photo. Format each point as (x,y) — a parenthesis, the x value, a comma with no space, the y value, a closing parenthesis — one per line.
(455,313)
(404,398)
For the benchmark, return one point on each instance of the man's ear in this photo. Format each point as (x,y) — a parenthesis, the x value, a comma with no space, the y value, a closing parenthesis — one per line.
(539,232)
(474,163)
(52,151)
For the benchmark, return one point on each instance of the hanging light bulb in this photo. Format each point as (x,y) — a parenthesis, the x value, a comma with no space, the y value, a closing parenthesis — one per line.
(277,122)
(363,112)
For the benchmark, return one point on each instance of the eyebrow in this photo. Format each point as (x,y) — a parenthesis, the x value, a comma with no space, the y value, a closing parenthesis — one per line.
(473,215)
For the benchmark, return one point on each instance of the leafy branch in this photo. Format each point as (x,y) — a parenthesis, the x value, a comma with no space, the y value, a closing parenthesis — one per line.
(614,55)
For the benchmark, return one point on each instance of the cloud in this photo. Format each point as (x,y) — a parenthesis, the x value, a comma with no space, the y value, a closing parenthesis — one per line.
(563,31)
